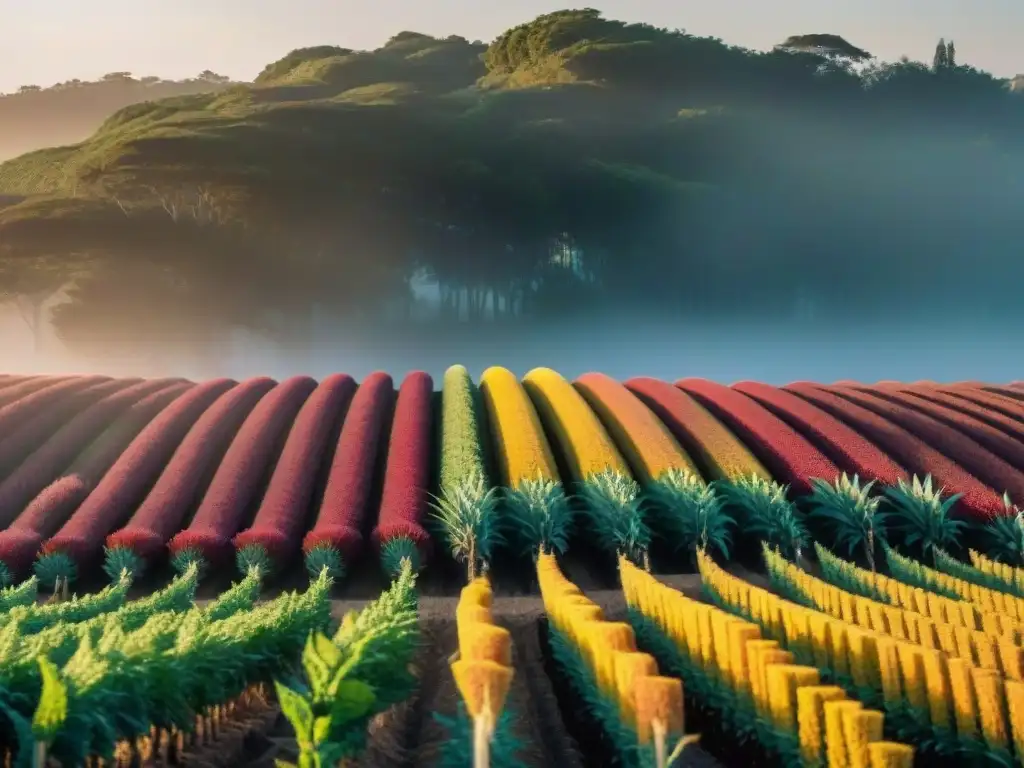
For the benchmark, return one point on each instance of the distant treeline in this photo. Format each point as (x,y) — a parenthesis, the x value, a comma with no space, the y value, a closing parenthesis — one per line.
(35,116)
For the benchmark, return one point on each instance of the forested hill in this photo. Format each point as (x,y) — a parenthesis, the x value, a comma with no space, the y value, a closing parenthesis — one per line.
(573,159)
(35,117)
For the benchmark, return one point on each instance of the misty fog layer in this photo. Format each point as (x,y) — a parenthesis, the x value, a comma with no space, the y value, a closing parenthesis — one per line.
(774,352)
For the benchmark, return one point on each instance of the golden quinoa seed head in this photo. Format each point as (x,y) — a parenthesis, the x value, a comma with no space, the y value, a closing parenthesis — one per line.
(487,642)
(629,667)
(467,618)
(476,594)
(658,699)
(991,693)
(810,707)
(646,443)
(860,728)
(711,442)
(889,754)
(835,739)
(1015,713)
(580,616)
(583,440)
(484,685)
(615,634)
(523,450)
(936,680)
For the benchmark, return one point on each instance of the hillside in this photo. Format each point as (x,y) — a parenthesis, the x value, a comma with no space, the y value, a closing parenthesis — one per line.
(69,112)
(572,156)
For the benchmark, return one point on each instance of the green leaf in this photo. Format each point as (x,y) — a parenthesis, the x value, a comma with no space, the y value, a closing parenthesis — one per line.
(55,565)
(394,552)
(322,729)
(688,513)
(52,710)
(353,700)
(327,650)
(318,669)
(614,508)
(348,621)
(298,711)
(539,515)
(466,513)
(331,753)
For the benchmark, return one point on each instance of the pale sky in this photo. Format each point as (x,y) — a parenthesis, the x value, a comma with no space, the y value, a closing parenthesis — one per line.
(55,40)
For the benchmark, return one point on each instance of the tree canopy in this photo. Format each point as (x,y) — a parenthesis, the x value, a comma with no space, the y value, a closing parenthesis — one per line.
(828,45)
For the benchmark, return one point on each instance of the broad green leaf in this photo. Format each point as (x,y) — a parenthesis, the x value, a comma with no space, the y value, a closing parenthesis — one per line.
(318,670)
(328,651)
(353,700)
(322,729)
(52,710)
(299,713)
(355,655)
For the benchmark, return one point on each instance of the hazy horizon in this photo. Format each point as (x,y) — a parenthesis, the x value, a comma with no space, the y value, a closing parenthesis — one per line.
(942,348)
(61,40)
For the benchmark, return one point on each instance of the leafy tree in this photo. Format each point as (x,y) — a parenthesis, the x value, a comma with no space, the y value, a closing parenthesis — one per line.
(28,285)
(210,76)
(826,45)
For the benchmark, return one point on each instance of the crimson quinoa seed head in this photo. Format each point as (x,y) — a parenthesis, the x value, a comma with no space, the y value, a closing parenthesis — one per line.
(18,548)
(174,493)
(919,457)
(852,452)
(790,458)
(980,430)
(145,543)
(989,400)
(345,539)
(280,520)
(962,450)
(135,469)
(336,536)
(239,477)
(404,501)
(44,465)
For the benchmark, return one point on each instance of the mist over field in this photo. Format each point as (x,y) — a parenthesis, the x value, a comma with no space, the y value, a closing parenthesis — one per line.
(940,349)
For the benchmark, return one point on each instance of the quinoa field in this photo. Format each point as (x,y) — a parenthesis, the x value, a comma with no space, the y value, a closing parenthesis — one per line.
(501,571)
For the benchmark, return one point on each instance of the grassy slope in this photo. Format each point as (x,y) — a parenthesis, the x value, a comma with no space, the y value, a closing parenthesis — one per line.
(288,125)
(313,91)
